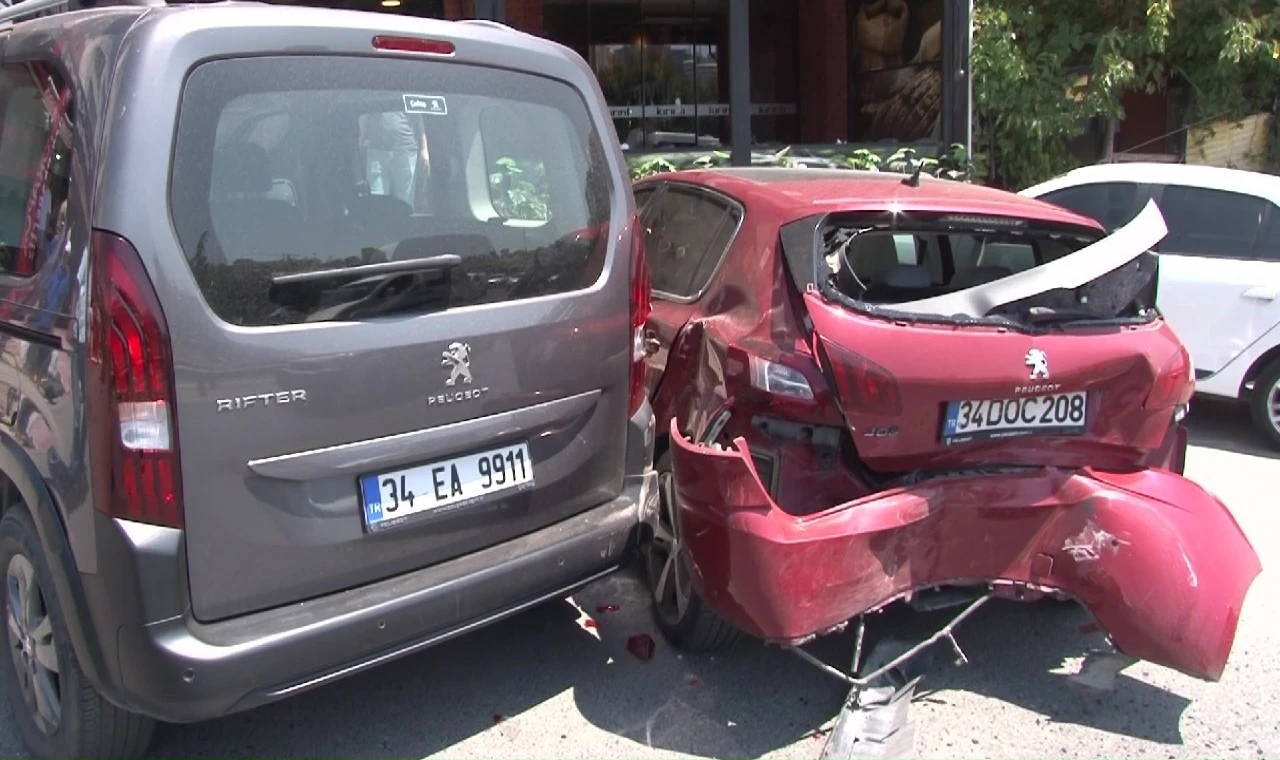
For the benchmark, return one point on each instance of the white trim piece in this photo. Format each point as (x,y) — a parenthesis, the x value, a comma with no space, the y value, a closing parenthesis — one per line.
(1070,271)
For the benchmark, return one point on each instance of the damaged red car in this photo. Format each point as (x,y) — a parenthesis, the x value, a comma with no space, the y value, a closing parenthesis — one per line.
(873,387)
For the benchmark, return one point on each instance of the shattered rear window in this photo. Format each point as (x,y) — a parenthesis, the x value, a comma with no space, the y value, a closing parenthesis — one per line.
(888,270)
(895,267)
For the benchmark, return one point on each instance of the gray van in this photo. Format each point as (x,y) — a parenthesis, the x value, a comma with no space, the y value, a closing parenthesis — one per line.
(322,340)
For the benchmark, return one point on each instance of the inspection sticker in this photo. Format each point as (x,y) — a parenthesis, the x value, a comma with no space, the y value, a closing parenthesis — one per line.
(432,104)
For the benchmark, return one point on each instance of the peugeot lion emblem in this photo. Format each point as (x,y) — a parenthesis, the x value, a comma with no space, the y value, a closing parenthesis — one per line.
(457,359)
(1038,362)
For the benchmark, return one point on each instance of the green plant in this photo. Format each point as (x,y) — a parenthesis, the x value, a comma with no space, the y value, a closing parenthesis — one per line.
(519,189)
(649,166)
(1043,68)
(953,163)
(862,159)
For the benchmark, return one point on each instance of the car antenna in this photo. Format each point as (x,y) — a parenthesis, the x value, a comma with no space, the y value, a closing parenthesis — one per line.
(914,179)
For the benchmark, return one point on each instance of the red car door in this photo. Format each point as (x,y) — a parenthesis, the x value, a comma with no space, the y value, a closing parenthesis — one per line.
(689,231)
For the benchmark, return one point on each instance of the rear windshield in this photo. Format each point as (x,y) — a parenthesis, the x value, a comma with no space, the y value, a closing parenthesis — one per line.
(328,188)
(894,267)
(887,270)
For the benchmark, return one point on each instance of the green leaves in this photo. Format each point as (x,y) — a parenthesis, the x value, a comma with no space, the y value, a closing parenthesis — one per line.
(954,163)
(1043,68)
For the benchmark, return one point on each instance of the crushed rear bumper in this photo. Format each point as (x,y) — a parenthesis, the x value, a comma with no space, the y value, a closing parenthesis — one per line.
(1159,562)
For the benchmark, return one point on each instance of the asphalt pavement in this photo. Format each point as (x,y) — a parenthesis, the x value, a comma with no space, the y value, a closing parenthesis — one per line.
(548,683)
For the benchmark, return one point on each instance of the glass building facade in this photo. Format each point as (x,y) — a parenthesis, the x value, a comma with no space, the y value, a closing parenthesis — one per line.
(817,71)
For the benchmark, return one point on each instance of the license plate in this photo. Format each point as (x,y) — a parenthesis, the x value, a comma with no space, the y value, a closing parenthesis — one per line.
(1058,414)
(390,498)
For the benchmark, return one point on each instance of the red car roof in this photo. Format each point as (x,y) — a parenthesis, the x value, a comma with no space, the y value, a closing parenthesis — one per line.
(797,193)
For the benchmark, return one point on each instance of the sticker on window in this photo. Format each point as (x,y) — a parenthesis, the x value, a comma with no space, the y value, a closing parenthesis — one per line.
(433,104)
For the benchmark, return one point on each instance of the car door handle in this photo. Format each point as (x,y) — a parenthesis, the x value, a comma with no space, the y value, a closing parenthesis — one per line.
(1261,293)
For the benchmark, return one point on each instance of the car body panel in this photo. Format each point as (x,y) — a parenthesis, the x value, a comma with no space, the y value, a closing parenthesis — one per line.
(1116,366)
(1093,536)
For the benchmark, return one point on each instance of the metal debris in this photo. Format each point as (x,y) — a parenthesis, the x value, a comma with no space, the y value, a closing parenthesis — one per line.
(1099,670)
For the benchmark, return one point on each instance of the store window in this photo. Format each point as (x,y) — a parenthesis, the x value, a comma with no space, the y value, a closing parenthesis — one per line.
(896,78)
(663,67)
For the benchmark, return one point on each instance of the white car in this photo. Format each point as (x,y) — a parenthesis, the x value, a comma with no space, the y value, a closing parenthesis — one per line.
(1219,281)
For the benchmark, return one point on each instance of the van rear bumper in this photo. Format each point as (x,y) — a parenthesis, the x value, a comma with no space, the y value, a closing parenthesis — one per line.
(182,671)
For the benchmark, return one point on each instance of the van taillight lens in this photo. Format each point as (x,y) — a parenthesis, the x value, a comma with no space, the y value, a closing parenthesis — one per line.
(130,390)
(641,306)
(1173,386)
(863,386)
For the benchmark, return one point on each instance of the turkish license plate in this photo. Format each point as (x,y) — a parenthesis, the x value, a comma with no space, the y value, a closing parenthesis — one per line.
(1057,414)
(390,498)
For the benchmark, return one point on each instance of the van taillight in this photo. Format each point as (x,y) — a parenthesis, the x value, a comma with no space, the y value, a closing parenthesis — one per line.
(130,390)
(862,385)
(640,308)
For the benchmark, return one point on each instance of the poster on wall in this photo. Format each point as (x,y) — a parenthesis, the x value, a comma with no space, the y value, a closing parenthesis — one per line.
(896,55)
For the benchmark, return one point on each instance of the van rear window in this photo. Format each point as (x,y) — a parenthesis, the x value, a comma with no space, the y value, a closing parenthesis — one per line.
(319,188)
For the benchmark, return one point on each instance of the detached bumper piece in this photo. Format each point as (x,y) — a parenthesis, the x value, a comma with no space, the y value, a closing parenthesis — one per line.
(1158,561)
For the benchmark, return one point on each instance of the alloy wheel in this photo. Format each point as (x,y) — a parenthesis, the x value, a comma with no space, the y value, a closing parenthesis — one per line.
(35,658)
(669,579)
(1273,405)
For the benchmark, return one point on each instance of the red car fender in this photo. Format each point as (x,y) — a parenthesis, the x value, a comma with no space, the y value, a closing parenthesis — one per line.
(1159,562)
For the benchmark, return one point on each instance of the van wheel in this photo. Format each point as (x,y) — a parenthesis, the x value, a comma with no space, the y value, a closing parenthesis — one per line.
(1264,403)
(684,619)
(57,710)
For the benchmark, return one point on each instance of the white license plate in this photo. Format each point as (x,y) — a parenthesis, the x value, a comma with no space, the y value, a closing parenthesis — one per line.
(390,498)
(1058,414)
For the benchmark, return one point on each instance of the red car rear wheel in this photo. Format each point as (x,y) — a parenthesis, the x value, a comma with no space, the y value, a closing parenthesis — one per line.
(682,616)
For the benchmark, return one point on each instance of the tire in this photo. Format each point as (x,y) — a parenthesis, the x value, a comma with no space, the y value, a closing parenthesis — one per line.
(696,627)
(1265,389)
(86,724)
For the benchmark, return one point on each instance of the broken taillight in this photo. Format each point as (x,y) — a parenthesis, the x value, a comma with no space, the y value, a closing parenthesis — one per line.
(779,379)
(130,390)
(641,306)
(862,385)
(1173,386)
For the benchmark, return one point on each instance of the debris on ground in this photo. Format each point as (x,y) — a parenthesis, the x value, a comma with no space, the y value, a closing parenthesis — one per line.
(584,621)
(1099,670)
(604,609)
(641,646)
(873,724)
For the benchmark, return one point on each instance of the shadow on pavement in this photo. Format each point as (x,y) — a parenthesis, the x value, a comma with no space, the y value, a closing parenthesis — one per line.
(744,705)
(1226,426)
(1014,650)
(773,698)
(748,702)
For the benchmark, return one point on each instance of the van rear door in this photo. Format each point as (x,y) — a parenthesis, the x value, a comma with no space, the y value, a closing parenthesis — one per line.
(399,335)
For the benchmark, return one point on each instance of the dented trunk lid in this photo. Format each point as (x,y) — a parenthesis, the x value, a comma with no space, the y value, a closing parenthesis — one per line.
(1051,365)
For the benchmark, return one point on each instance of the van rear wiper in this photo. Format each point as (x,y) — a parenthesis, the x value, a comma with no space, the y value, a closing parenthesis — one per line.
(443,261)
(367,290)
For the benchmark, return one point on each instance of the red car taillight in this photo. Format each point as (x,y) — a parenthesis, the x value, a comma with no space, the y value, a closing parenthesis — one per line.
(1173,385)
(130,390)
(862,385)
(640,308)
